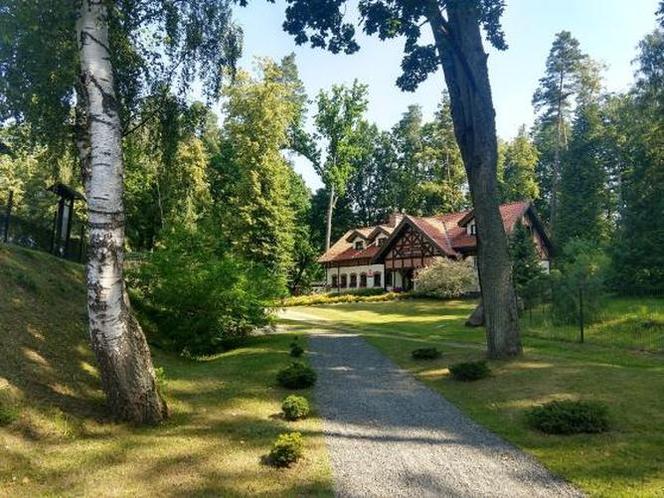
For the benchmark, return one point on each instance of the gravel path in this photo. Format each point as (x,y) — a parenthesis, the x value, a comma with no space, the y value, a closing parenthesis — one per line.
(391,436)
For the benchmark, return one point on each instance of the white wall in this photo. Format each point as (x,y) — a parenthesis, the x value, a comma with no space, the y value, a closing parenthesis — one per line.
(359,269)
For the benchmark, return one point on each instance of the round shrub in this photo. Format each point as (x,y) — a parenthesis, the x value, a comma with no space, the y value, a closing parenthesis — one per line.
(296,351)
(426,354)
(286,450)
(569,417)
(296,376)
(470,370)
(295,407)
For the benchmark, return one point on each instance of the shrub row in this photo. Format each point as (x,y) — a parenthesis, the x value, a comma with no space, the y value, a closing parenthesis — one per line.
(342,298)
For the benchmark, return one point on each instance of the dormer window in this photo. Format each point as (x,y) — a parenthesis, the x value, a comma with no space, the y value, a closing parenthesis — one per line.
(381,241)
(359,245)
(472,229)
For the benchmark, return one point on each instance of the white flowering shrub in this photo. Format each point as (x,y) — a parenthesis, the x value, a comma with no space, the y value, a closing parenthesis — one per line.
(446,278)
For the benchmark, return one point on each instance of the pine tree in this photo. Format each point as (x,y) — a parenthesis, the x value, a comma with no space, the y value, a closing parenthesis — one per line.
(583,192)
(525,260)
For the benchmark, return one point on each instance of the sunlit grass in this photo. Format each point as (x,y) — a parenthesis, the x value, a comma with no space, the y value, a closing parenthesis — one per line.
(627,461)
(225,408)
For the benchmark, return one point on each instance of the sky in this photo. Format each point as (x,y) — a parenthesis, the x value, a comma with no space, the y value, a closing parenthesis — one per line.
(608,31)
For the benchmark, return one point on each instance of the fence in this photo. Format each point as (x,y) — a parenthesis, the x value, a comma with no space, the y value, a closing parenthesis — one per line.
(43,228)
(624,320)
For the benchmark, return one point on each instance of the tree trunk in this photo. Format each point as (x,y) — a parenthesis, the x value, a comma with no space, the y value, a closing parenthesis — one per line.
(328,228)
(459,45)
(127,374)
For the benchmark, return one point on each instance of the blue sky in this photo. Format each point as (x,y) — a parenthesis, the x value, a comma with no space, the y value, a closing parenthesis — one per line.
(608,31)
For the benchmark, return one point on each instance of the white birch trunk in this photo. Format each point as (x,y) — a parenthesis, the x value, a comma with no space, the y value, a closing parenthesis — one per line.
(119,344)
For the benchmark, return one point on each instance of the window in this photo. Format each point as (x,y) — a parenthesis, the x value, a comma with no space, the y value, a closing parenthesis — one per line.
(388,278)
(334,281)
(381,241)
(344,281)
(473,229)
(377,280)
(353,280)
(363,280)
(359,245)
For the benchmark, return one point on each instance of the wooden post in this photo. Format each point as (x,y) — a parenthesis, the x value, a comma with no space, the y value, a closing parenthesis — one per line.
(8,213)
(68,234)
(80,243)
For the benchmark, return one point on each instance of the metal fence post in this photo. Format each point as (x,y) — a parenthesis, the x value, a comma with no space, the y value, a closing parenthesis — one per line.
(8,213)
(581,324)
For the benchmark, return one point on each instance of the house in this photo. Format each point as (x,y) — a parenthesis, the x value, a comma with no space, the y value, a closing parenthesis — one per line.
(389,255)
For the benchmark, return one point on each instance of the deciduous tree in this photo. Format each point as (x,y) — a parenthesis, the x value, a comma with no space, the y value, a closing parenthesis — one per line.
(457,48)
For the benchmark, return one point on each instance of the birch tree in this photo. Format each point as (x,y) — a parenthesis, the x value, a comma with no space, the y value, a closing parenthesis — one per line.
(97,60)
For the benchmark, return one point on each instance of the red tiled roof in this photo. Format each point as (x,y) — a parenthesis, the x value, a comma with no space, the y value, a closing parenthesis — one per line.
(444,230)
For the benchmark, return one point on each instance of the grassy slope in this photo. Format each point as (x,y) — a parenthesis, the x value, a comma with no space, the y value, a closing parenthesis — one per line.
(61,445)
(628,461)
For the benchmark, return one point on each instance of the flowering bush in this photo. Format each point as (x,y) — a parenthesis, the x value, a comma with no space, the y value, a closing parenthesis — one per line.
(446,278)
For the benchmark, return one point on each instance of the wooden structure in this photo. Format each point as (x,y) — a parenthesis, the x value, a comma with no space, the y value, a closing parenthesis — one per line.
(61,234)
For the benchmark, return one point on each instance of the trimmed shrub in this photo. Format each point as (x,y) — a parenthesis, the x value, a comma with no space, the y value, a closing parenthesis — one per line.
(470,370)
(426,354)
(295,349)
(569,417)
(296,376)
(287,449)
(446,278)
(295,407)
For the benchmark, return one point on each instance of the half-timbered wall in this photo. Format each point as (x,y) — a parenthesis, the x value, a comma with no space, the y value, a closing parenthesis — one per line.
(411,250)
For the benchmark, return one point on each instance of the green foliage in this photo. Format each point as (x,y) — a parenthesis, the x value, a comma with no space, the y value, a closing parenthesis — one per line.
(517,162)
(287,449)
(9,412)
(581,274)
(446,278)
(583,192)
(295,407)
(526,270)
(296,376)
(638,259)
(295,349)
(426,353)
(253,182)
(202,298)
(469,371)
(369,296)
(569,417)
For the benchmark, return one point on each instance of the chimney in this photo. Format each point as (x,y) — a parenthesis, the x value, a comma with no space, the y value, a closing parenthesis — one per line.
(395,219)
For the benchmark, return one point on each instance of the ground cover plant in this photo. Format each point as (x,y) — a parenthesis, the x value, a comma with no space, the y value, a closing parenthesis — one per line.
(549,370)
(425,353)
(295,349)
(62,443)
(569,417)
(468,371)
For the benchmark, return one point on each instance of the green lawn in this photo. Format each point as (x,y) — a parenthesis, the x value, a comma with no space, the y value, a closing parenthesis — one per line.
(225,409)
(632,323)
(627,461)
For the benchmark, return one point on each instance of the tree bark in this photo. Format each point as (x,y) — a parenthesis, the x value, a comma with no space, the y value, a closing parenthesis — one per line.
(328,225)
(125,365)
(459,44)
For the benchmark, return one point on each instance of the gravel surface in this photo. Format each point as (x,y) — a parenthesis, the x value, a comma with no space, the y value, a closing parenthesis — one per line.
(391,436)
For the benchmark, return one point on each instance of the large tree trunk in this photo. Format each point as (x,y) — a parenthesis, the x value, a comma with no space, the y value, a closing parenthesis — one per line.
(328,221)
(555,174)
(127,374)
(459,45)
